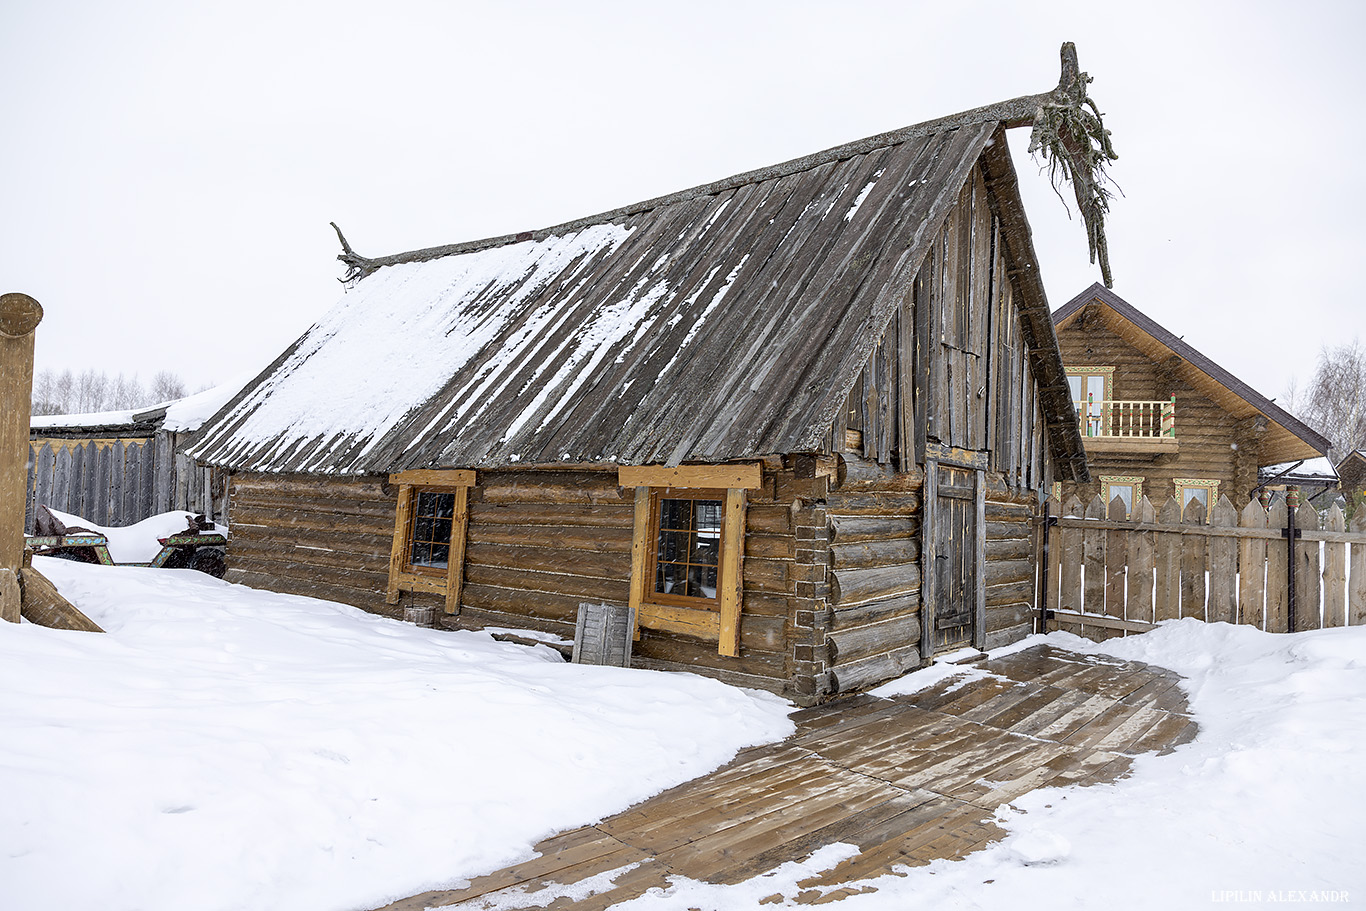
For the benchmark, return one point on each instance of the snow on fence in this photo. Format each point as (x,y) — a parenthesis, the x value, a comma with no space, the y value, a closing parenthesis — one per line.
(1108,575)
(119,482)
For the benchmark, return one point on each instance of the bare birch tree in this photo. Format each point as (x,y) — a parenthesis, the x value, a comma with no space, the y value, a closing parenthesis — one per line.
(1334,401)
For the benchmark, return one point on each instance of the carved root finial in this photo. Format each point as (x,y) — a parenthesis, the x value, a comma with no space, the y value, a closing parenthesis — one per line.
(1071,137)
(357,266)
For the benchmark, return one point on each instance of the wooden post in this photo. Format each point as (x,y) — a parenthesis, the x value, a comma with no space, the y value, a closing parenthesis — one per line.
(1277,573)
(730,580)
(1252,566)
(1308,573)
(1069,559)
(1139,604)
(1093,566)
(1194,562)
(1356,589)
(1167,597)
(1223,565)
(1116,561)
(929,549)
(1052,560)
(1169,418)
(979,561)
(1335,572)
(19,316)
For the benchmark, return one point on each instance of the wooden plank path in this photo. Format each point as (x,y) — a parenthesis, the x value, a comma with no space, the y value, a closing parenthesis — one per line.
(908,780)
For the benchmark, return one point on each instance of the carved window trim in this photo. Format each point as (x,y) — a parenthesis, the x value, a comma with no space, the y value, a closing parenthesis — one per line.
(1106,373)
(1181,485)
(1095,420)
(403,574)
(1108,480)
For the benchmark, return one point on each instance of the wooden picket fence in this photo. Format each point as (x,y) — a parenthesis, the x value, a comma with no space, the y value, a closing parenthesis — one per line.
(1108,575)
(120,482)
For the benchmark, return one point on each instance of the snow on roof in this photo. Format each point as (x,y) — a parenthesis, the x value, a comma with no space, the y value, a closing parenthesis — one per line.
(182,414)
(93,419)
(392,342)
(192,411)
(608,340)
(1310,468)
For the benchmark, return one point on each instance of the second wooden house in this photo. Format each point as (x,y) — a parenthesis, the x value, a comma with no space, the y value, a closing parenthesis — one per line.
(1160,419)
(800,420)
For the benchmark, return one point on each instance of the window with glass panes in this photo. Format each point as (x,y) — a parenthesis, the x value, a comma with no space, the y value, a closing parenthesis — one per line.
(1091,388)
(1204,490)
(430,541)
(687,536)
(1128,489)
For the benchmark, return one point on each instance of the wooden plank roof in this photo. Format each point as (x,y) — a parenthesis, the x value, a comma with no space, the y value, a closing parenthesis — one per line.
(1288,438)
(724,322)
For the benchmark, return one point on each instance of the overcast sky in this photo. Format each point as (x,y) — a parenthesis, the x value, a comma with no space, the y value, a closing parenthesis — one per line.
(168,169)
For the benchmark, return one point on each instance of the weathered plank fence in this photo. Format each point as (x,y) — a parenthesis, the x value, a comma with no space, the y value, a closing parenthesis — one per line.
(1279,569)
(119,482)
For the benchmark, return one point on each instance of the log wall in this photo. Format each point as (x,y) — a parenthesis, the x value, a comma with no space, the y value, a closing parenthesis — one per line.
(872,628)
(1214,444)
(320,537)
(539,542)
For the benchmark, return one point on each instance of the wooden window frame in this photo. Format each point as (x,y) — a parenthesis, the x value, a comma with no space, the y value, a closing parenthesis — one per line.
(657,496)
(1108,375)
(690,616)
(1107,372)
(403,576)
(1180,485)
(414,495)
(1125,481)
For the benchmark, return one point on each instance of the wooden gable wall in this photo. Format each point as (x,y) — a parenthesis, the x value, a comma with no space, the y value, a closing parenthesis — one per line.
(952,367)
(951,371)
(1214,444)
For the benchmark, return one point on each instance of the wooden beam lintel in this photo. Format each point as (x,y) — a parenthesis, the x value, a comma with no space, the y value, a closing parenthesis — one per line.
(434,477)
(737,476)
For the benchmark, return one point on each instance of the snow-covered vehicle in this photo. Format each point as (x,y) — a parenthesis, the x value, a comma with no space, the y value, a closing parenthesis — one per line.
(177,539)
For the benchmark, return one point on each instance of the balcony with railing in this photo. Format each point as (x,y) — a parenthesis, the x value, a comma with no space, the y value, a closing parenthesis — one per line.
(1119,426)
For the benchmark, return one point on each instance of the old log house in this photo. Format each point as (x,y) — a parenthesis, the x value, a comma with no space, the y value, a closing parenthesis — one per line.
(1159,419)
(800,419)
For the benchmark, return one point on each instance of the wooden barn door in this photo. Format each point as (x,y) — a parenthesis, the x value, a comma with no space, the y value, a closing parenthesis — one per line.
(954,547)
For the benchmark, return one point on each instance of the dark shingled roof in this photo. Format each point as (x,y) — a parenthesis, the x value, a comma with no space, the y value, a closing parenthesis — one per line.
(724,322)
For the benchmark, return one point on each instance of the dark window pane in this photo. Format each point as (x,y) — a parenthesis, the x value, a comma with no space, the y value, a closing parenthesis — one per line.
(708,517)
(688,547)
(673,546)
(671,578)
(702,581)
(441,531)
(675,514)
(705,551)
(432,521)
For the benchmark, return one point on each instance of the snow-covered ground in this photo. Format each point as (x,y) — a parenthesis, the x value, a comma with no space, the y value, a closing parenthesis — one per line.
(225,748)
